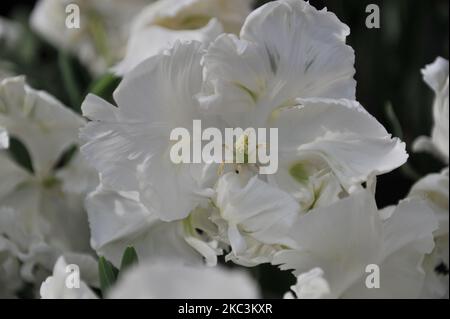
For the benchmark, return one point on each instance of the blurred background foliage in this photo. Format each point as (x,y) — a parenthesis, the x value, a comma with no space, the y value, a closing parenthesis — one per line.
(388,63)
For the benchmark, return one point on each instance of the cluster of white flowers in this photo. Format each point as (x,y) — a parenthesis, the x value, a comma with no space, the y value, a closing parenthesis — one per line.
(285,65)
(41,209)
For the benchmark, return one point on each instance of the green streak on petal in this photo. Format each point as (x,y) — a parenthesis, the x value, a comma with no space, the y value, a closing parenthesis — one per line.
(193,22)
(299,172)
(50,182)
(96,29)
(252,94)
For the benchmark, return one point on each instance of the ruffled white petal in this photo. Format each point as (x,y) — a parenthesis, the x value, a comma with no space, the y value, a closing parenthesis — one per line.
(287,50)
(254,215)
(130,145)
(340,132)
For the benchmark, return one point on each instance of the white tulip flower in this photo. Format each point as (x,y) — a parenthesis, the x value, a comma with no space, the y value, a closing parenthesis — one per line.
(291,69)
(300,83)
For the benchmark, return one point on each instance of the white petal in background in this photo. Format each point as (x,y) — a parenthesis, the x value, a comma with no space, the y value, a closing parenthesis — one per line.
(55,287)
(434,189)
(100,40)
(436,76)
(163,23)
(160,280)
(174,281)
(42,214)
(44,125)
(40,223)
(4,139)
(10,280)
(9,34)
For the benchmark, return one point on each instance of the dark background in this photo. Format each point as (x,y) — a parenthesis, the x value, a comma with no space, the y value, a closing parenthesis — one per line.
(388,63)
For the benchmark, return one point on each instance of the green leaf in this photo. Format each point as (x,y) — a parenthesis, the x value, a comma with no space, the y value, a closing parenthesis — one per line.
(66,157)
(393,120)
(20,154)
(107,273)
(105,86)
(129,258)
(69,79)
(407,169)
